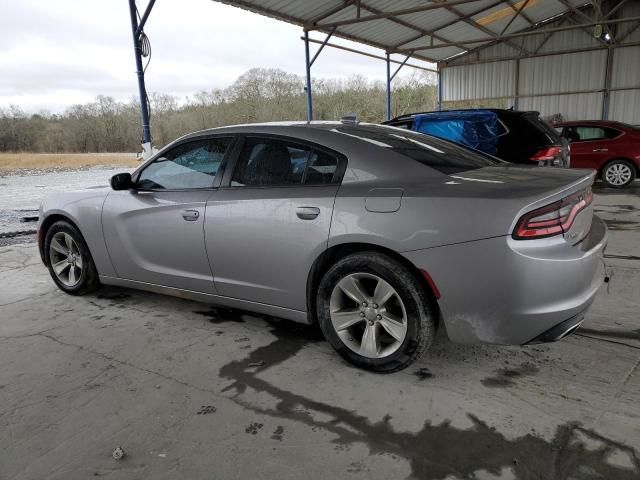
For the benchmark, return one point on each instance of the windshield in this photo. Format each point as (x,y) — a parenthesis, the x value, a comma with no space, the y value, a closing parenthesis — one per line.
(441,155)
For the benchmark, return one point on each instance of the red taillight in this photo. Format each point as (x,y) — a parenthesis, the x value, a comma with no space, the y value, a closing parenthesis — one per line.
(553,219)
(546,154)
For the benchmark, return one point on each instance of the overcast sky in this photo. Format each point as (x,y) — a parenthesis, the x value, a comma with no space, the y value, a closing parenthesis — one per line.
(60,52)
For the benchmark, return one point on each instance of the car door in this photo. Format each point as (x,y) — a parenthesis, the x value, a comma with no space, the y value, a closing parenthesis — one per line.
(591,146)
(270,220)
(155,232)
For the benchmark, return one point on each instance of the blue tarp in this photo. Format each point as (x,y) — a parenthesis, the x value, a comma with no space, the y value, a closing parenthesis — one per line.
(474,128)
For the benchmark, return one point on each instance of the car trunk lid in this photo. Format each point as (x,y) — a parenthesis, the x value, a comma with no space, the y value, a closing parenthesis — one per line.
(532,189)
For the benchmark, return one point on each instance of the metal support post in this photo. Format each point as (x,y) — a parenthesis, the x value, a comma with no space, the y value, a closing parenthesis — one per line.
(388,109)
(308,69)
(144,111)
(390,78)
(439,88)
(606,91)
(309,64)
(516,86)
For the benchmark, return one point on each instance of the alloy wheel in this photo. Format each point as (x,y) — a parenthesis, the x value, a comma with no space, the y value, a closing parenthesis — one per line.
(618,174)
(368,315)
(65,259)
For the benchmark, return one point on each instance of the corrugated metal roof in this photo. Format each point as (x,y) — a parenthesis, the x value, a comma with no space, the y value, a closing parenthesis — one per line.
(452,23)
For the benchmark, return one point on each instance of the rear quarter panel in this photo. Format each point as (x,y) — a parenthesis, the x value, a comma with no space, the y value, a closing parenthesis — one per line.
(446,210)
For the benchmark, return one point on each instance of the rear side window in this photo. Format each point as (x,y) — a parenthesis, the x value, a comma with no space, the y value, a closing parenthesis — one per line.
(501,128)
(592,133)
(441,155)
(320,169)
(274,162)
(545,130)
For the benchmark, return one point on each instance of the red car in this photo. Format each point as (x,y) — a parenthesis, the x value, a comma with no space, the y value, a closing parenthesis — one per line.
(612,148)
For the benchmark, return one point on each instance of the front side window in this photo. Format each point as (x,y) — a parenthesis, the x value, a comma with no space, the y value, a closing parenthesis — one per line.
(187,166)
(272,162)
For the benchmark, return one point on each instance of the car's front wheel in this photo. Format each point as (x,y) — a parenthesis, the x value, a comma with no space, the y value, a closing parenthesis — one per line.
(374,312)
(619,173)
(68,259)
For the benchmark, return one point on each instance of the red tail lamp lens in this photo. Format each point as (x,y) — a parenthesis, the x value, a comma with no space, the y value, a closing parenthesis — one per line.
(553,219)
(546,154)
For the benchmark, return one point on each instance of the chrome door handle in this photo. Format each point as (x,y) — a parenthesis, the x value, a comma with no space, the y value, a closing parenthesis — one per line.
(600,150)
(190,215)
(307,213)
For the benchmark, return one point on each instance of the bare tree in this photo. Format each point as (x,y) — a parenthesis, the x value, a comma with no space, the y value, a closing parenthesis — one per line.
(258,95)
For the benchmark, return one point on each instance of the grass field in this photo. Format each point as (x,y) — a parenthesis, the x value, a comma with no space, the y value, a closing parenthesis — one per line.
(16,161)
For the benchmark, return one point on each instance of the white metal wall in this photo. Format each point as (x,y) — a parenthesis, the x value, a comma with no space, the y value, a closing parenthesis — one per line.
(485,80)
(570,84)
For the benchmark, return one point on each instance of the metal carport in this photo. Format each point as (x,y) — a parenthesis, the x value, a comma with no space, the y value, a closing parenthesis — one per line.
(479,46)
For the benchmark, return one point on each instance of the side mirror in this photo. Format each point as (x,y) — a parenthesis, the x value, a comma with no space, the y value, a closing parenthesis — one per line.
(121,181)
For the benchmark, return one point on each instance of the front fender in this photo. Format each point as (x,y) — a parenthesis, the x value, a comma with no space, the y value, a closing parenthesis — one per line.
(84,210)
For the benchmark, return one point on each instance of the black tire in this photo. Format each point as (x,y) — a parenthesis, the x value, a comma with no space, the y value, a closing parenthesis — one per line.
(618,163)
(88,279)
(420,312)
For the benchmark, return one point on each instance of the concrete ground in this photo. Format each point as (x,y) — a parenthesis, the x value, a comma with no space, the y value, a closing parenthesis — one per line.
(191,392)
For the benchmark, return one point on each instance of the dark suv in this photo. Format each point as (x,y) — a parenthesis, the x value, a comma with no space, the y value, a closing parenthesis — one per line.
(514,136)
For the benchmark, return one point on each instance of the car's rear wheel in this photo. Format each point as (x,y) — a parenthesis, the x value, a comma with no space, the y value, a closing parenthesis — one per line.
(374,312)
(619,173)
(68,259)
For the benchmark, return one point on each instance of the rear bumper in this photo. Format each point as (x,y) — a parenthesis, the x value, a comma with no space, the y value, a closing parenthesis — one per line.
(561,330)
(507,291)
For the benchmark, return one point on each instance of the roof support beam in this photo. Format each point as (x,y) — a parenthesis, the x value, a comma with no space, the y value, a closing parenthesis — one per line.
(446,25)
(322,45)
(548,36)
(411,26)
(518,13)
(333,11)
(536,55)
(629,32)
(616,8)
(370,55)
(561,19)
(402,64)
(523,15)
(144,17)
(582,15)
(382,15)
(484,29)
(526,33)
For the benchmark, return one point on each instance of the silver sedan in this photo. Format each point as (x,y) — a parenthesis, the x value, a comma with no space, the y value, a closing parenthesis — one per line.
(378,235)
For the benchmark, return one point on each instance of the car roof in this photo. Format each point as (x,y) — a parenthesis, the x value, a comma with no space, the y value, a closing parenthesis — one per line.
(594,123)
(321,132)
(280,125)
(502,112)
(283,127)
